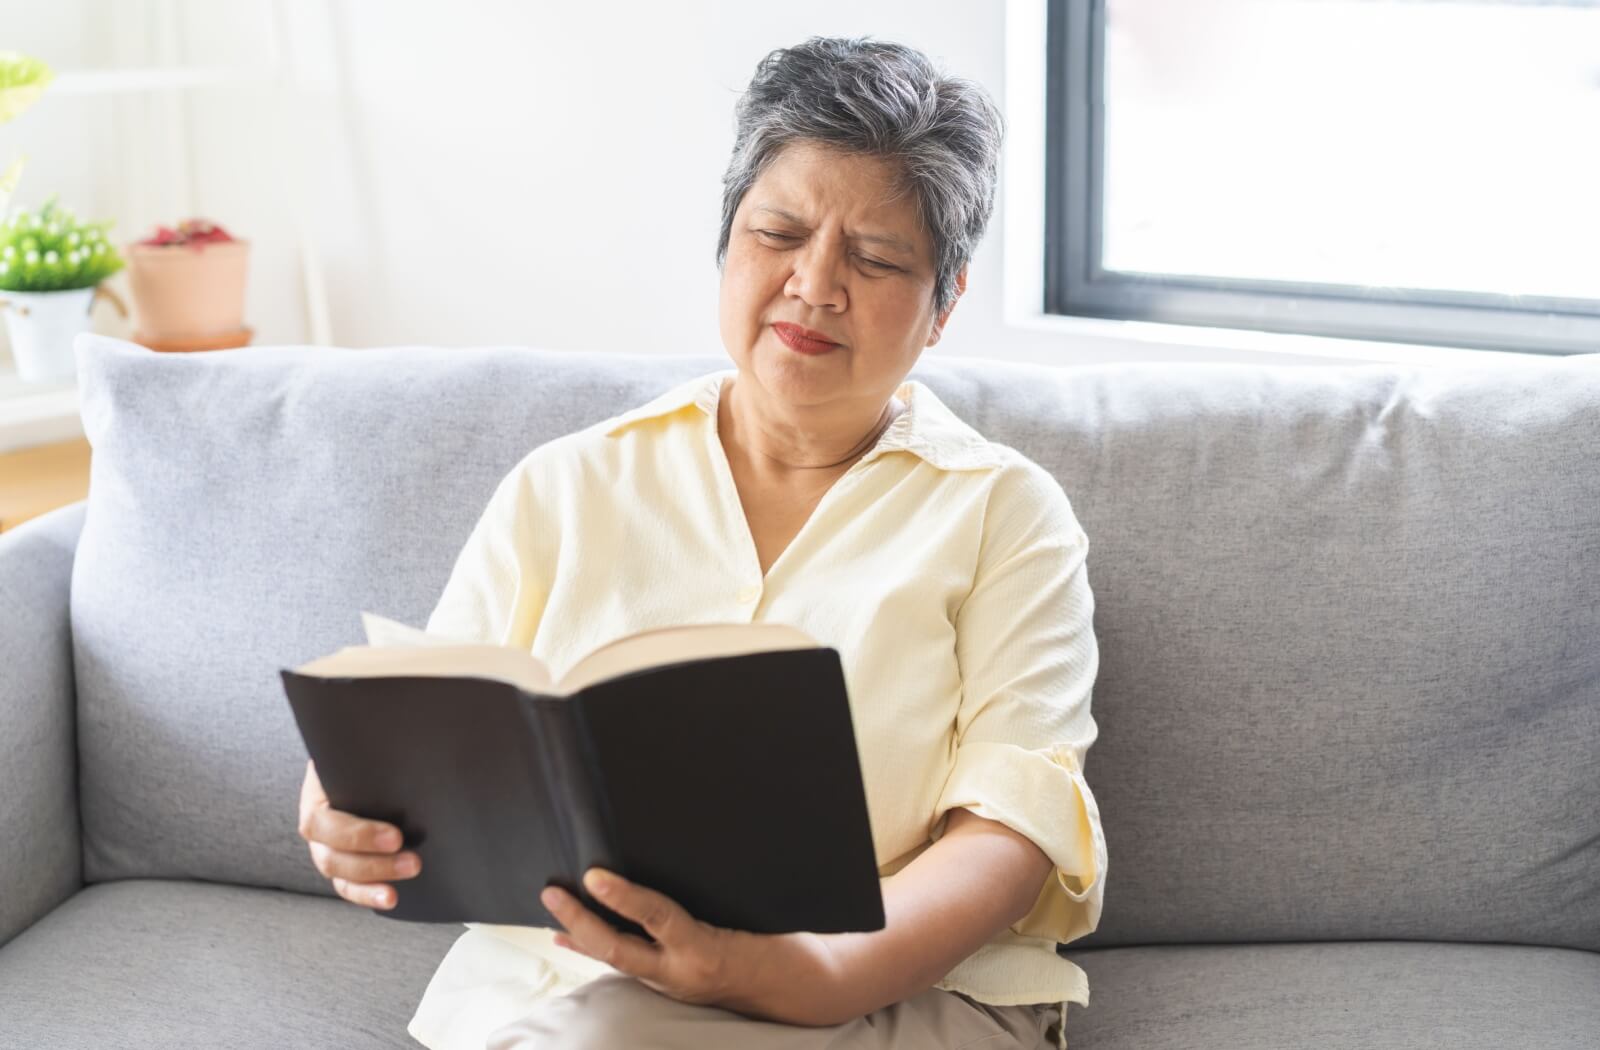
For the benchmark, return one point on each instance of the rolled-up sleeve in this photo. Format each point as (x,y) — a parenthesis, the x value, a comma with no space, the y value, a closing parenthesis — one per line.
(496,590)
(1026,647)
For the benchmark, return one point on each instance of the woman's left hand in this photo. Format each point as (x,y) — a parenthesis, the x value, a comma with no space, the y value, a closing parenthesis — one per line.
(763,975)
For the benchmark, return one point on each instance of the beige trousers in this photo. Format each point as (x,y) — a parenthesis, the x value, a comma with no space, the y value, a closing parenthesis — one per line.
(618,1012)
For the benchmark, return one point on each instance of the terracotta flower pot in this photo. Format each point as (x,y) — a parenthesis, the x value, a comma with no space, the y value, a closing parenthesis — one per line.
(188,293)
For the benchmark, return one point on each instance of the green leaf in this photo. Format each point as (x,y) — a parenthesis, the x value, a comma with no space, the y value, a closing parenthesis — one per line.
(22,81)
(73,255)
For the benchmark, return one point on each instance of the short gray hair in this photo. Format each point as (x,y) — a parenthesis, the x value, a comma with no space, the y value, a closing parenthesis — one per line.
(943,133)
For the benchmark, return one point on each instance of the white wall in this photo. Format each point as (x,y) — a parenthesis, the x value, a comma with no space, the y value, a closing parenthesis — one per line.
(500,172)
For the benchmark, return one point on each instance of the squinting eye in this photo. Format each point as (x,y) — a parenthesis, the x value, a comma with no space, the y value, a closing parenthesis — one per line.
(790,237)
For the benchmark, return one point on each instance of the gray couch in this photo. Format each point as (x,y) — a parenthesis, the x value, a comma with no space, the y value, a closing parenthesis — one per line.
(1349,697)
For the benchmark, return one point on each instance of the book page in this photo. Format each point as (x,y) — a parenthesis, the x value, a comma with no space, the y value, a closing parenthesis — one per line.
(383,631)
(396,649)
(670,645)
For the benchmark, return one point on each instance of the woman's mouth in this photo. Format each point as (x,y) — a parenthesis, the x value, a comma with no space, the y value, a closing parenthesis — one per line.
(795,339)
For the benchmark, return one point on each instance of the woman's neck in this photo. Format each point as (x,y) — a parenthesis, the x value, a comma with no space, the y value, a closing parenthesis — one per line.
(780,446)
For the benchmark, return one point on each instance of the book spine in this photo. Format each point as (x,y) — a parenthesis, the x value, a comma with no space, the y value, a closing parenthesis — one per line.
(576,787)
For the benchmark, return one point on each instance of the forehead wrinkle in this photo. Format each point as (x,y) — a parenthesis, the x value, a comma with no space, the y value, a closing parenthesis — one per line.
(893,242)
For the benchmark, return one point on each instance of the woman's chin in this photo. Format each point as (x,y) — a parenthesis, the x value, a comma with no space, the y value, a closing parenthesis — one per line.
(800,379)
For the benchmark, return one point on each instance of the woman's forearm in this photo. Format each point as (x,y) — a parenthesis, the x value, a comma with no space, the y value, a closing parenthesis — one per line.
(977,879)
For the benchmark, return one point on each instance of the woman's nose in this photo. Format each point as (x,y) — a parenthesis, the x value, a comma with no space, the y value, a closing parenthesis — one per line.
(818,278)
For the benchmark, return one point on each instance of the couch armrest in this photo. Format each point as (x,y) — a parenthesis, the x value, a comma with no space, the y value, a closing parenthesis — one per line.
(41,858)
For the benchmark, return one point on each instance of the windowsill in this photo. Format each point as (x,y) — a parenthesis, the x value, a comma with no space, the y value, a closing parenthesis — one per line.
(39,414)
(1136,339)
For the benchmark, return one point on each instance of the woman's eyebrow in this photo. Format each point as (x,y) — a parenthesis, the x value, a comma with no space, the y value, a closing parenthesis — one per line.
(877,238)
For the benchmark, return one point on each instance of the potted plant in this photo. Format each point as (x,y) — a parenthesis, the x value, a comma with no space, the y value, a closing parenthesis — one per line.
(51,269)
(188,287)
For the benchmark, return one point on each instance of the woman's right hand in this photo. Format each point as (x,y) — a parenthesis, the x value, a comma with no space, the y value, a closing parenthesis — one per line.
(358,855)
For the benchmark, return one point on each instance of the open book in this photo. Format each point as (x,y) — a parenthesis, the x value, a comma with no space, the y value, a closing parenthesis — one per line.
(716,763)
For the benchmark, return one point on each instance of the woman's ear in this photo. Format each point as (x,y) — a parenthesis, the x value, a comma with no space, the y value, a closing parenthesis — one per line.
(939,322)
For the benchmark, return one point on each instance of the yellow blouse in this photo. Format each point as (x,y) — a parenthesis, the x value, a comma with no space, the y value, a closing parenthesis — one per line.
(947,570)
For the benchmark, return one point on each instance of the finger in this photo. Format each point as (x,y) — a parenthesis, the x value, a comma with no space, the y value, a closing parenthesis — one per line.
(372,894)
(365,867)
(348,832)
(663,917)
(596,938)
(564,941)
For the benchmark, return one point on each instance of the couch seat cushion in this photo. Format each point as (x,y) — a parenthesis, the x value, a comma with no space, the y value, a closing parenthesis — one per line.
(173,965)
(1377,995)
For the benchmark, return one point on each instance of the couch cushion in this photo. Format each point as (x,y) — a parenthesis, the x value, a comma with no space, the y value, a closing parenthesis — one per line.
(1348,683)
(249,968)
(174,965)
(1376,995)
(244,507)
(1347,615)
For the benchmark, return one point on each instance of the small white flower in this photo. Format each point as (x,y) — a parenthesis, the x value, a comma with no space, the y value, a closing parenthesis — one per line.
(53,229)
(73,239)
(10,252)
(4,266)
(52,257)
(32,258)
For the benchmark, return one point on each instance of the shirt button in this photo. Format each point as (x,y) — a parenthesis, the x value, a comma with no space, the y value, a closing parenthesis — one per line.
(749,594)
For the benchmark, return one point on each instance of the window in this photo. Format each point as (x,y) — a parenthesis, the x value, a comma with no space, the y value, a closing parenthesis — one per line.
(1422,171)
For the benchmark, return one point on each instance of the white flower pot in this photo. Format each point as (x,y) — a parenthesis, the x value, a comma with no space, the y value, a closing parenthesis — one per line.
(42,327)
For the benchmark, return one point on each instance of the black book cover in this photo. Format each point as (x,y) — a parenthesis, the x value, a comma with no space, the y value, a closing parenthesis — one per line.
(731,784)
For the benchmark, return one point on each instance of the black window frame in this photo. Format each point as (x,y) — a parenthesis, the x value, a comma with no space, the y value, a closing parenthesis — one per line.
(1075,284)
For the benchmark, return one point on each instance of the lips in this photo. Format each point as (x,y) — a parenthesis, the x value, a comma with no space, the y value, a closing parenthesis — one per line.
(804,340)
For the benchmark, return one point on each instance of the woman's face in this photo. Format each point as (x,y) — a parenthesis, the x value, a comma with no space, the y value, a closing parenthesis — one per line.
(825,240)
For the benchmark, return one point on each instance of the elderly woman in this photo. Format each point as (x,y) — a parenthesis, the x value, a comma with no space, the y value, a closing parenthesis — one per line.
(815,485)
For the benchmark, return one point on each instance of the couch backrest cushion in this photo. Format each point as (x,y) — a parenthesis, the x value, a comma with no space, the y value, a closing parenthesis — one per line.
(1349,681)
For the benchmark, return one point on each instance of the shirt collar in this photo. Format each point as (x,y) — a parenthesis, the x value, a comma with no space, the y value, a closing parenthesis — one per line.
(926,427)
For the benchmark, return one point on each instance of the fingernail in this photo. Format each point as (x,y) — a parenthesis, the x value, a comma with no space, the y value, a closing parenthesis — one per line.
(406,865)
(550,897)
(389,839)
(382,898)
(597,882)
